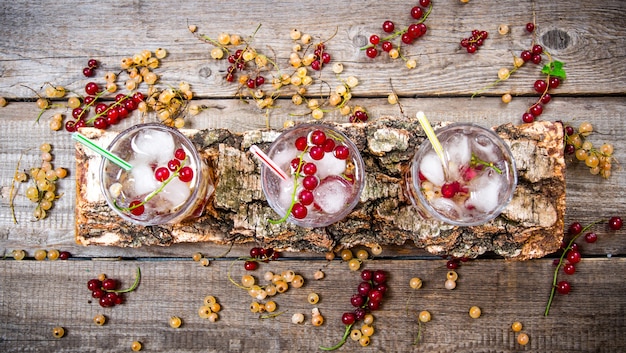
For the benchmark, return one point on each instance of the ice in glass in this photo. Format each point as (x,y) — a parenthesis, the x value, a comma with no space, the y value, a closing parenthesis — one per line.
(477,184)
(168,182)
(325,175)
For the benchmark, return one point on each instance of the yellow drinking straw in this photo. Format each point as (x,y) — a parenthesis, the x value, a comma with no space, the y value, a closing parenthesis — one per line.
(434,141)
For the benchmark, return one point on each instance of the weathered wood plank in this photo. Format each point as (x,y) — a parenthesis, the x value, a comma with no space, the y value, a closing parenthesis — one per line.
(41,38)
(531,226)
(47,294)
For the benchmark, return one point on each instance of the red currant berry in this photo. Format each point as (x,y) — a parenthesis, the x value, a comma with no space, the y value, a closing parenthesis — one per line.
(251,83)
(360,313)
(255,252)
(554,82)
(316,153)
(367,275)
(70,126)
(530,27)
(260,80)
(546,98)
(375,296)
(229,77)
(306,197)
(136,208)
(301,143)
(569,269)
(373,305)
(536,59)
(361,115)
(387,46)
(88,72)
(106,302)
(185,174)
(80,123)
(379,277)
(299,211)
(100,123)
(536,110)
(357,300)
(295,165)
(310,182)
(348,318)
(364,288)
(109,284)
(537,49)
(371,52)
(464,42)
(122,112)
(471,48)
(64,255)
(569,130)
(540,86)
(250,265)
(575,228)
(138,97)
(615,223)
(101,108)
(591,237)
(417,12)
(388,26)
(91,88)
(94,284)
(180,154)
(97,293)
(526,55)
(406,38)
(173,164)
(573,256)
(318,137)
(563,287)
(309,169)
(329,145)
(325,58)
(77,113)
(341,152)
(424,3)
(161,174)
(452,264)
(570,149)
(448,190)
(120,97)
(92,63)
(130,105)
(374,39)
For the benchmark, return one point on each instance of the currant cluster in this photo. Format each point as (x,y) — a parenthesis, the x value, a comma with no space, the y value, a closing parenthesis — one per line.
(209,309)
(276,284)
(90,70)
(599,160)
(407,35)
(175,168)
(306,172)
(44,178)
(170,103)
(41,255)
(258,254)
(107,290)
(571,255)
(475,41)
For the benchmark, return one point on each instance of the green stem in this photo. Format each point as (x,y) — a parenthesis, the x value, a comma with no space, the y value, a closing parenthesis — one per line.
(558,266)
(343,340)
(475,160)
(131,288)
(296,175)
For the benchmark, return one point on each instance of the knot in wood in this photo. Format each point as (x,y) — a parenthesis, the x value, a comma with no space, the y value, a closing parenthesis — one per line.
(556,39)
(205,72)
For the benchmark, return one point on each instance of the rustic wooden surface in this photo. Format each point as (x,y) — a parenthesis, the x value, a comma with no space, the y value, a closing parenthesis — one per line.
(52,41)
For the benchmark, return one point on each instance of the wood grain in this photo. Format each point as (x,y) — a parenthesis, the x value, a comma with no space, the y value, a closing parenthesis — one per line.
(51,41)
(178,287)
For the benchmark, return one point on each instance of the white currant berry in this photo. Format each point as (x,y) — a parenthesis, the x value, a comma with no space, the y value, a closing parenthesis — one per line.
(217,53)
(295,34)
(411,64)
(503,29)
(337,68)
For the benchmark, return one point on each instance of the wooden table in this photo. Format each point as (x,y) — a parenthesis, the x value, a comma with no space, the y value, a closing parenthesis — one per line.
(52,41)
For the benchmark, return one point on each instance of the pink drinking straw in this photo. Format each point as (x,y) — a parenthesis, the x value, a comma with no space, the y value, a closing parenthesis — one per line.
(268,162)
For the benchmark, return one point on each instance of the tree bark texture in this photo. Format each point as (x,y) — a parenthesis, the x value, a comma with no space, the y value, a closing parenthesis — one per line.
(531,226)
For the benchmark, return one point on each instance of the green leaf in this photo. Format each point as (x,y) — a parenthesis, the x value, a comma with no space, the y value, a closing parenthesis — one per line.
(555,69)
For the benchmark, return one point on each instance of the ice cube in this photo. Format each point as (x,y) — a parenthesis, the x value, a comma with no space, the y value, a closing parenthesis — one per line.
(284,156)
(485,149)
(446,207)
(457,149)
(431,168)
(142,180)
(285,193)
(333,194)
(485,191)
(153,146)
(329,166)
(176,192)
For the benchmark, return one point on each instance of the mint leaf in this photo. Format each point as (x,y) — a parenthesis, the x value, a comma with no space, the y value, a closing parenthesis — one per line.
(555,69)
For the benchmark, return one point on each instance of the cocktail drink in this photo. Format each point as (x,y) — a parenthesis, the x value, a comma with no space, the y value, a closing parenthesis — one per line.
(168,181)
(475,184)
(323,176)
